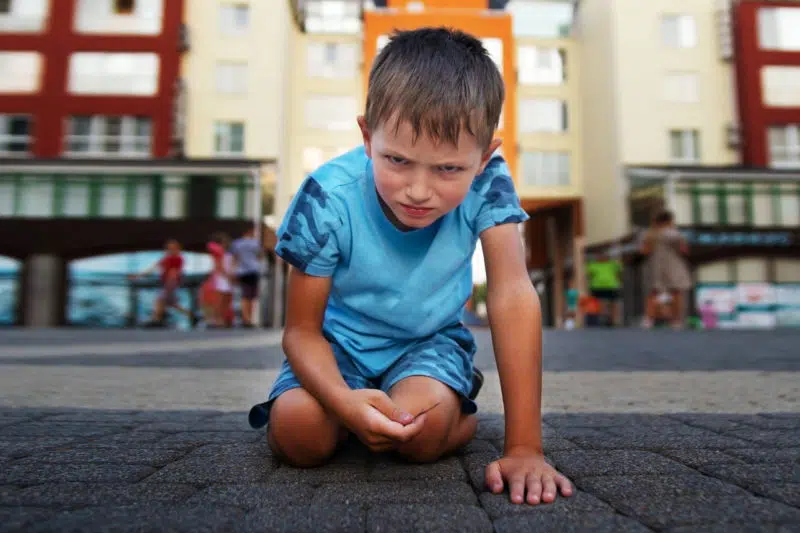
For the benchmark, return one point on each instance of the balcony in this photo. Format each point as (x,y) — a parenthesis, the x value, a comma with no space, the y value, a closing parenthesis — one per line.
(329,16)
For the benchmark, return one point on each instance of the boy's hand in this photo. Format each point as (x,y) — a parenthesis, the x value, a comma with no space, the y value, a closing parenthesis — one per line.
(526,471)
(377,421)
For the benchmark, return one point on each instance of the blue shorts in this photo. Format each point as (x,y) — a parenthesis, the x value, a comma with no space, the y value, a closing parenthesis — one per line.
(446,356)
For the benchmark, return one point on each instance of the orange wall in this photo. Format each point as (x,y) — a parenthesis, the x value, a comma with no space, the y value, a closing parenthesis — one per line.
(482,26)
(452,4)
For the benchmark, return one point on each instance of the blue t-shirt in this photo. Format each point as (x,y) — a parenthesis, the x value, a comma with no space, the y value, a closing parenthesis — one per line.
(390,288)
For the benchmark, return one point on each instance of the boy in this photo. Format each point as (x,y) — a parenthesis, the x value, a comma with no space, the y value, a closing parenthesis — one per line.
(171,267)
(381,242)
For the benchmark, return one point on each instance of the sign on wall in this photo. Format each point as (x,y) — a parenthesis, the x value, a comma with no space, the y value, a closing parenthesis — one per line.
(748,305)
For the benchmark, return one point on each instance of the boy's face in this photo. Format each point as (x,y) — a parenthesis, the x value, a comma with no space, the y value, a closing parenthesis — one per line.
(423,180)
(172,247)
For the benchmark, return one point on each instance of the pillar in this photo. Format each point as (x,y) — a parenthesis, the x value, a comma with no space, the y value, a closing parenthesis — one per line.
(556,257)
(44,292)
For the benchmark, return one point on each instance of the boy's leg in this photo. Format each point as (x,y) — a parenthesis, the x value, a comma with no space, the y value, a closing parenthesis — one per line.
(446,427)
(437,372)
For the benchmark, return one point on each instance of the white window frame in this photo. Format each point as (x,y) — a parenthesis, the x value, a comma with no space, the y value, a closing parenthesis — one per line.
(332,60)
(685,31)
(780,85)
(131,144)
(774,28)
(25,16)
(118,73)
(681,87)
(533,111)
(7,138)
(333,17)
(552,168)
(230,19)
(224,138)
(535,65)
(231,77)
(316,105)
(690,146)
(791,149)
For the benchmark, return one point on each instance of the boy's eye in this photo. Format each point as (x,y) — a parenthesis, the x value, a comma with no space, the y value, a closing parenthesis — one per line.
(449,169)
(396,160)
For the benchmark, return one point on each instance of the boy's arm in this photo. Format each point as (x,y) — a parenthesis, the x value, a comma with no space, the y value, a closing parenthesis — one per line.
(312,360)
(516,324)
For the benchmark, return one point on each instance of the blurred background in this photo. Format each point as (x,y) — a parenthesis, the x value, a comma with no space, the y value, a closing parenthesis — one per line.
(124,123)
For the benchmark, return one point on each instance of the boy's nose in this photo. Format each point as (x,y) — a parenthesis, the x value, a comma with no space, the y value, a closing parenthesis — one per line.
(418,191)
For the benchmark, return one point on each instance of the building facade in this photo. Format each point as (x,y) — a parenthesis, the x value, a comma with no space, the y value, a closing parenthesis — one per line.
(702,121)
(333,49)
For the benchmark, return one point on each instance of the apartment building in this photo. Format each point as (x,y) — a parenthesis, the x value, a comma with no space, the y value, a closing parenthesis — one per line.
(692,105)
(333,50)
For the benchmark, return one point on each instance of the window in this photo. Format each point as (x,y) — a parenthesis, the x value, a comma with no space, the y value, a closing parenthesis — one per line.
(312,158)
(20,72)
(333,113)
(540,18)
(541,66)
(790,206)
(173,197)
(679,31)
(681,87)
(332,60)
(118,17)
(542,115)
(333,16)
(123,7)
(234,19)
(5,7)
(780,86)
(494,47)
(708,203)
(98,135)
(36,197)
(229,138)
(684,146)
(784,146)
(545,168)
(132,74)
(231,77)
(738,201)
(23,16)
(15,134)
(777,28)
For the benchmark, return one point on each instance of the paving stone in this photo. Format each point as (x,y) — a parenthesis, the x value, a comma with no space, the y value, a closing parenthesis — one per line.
(428,518)
(606,420)
(138,518)
(578,523)
(580,463)
(329,473)
(448,469)
(477,446)
(767,422)
(788,493)
(251,496)
(745,475)
(490,428)
(314,518)
(21,518)
(475,466)
(143,456)
(736,528)
(198,469)
(133,438)
(84,494)
(766,455)
(22,447)
(352,452)
(8,495)
(668,501)
(772,438)
(60,429)
(31,473)
(217,451)
(697,457)
(499,505)
(386,492)
(174,416)
(94,417)
(205,425)
(9,420)
(206,437)
(720,423)
(660,441)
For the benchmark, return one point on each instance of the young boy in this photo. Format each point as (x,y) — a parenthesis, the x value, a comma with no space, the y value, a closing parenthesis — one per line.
(381,242)
(171,268)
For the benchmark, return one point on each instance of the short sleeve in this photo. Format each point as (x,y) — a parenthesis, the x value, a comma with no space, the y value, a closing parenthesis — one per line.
(307,236)
(497,201)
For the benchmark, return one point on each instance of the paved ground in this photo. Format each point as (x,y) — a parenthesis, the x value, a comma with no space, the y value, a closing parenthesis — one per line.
(146,431)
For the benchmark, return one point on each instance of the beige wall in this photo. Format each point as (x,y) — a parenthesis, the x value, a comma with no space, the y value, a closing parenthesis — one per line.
(261,48)
(569,141)
(627,118)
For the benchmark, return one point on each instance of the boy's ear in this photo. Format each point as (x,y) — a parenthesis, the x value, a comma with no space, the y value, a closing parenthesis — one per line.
(362,125)
(487,155)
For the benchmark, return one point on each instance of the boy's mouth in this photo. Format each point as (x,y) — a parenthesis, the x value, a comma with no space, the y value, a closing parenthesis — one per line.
(416,212)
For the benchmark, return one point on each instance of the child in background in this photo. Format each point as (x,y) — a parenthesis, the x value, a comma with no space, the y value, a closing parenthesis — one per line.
(571,296)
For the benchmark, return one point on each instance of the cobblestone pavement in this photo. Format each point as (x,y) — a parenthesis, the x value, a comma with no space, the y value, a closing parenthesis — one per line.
(76,461)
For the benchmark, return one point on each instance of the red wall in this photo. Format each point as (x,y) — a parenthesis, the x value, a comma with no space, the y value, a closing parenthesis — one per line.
(53,104)
(755,117)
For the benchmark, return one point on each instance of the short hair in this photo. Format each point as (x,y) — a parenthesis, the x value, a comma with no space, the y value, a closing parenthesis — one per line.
(439,80)
(664,217)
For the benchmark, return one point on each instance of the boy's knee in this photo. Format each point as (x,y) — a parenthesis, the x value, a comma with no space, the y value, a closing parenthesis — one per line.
(439,437)
(300,431)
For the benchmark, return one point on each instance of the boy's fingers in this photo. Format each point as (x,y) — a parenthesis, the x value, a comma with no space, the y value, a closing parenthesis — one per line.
(494,477)
(383,403)
(564,484)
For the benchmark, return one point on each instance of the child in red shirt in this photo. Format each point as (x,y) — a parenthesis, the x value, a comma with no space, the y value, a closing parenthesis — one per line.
(171,271)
